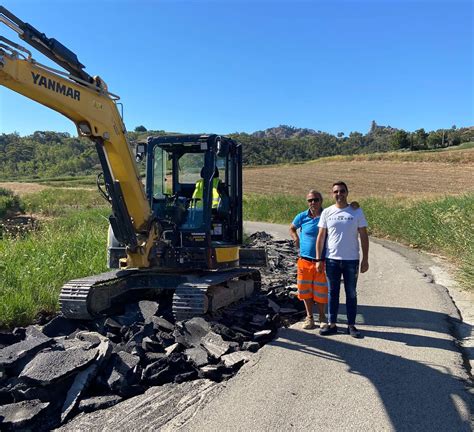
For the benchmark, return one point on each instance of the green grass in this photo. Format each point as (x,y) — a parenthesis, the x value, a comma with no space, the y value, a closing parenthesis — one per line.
(65,181)
(463,146)
(453,155)
(59,202)
(443,226)
(33,268)
(70,182)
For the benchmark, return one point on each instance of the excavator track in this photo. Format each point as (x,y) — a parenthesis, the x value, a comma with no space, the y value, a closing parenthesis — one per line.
(194,294)
(86,298)
(190,300)
(213,291)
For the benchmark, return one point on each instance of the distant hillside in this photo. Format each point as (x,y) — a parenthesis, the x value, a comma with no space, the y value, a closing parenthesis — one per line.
(56,154)
(285,132)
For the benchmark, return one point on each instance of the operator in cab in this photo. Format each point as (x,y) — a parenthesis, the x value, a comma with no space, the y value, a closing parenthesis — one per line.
(217,190)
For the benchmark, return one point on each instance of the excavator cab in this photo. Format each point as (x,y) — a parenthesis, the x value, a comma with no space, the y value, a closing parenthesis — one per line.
(194,186)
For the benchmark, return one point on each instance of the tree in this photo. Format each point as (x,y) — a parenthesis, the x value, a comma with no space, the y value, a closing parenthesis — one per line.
(399,140)
(419,139)
(454,137)
(434,140)
(140,129)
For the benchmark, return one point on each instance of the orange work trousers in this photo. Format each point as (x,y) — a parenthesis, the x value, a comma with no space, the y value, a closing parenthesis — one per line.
(311,284)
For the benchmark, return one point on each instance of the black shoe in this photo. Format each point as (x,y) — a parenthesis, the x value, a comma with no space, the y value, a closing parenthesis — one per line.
(351,330)
(328,330)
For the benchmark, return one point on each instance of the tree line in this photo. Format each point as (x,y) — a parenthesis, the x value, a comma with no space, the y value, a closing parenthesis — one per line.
(56,154)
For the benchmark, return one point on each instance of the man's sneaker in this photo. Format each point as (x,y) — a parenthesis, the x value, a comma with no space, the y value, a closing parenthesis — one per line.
(328,330)
(351,330)
(308,323)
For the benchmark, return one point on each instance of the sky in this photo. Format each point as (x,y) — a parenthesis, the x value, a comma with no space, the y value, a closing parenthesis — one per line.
(227,66)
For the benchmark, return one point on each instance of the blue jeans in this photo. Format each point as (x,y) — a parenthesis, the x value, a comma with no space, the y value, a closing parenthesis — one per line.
(349,269)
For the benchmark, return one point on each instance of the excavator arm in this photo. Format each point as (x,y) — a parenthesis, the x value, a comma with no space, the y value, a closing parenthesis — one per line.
(86,101)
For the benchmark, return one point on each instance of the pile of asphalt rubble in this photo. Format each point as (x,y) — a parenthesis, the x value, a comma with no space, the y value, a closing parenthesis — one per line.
(50,372)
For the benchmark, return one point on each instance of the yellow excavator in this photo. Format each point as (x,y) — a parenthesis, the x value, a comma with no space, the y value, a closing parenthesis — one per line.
(182,231)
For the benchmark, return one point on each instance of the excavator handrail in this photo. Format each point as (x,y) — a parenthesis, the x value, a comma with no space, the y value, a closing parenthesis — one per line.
(16,46)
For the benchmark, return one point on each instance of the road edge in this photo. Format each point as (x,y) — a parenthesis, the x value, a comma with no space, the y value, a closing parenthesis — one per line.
(461,318)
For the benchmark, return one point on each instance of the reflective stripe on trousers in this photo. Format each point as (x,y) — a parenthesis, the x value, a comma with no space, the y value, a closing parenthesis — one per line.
(311,284)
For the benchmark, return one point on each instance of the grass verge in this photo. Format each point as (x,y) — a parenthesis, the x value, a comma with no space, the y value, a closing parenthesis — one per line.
(70,243)
(60,202)
(34,267)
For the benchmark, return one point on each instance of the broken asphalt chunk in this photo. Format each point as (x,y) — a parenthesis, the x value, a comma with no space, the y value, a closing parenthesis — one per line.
(236,358)
(85,377)
(12,354)
(195,329)
(273,305)
(148,310)
(176,347)
(197,355)
(121,371)
(166,369)
(98,402)
(60,326)
(251,346)
(51,366)
(214,344)
(19,415)
(161,323)
(8,338)
(213,372)
(262,334)
(288,310)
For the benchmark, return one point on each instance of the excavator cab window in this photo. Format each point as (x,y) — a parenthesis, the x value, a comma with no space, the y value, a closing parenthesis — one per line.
(160,177)
(189,172)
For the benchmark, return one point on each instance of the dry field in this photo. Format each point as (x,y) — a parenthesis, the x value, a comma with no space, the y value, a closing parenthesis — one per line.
(22,188)
(364,178)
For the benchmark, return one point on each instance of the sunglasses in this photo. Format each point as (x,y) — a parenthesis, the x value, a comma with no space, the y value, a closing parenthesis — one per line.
(314,200)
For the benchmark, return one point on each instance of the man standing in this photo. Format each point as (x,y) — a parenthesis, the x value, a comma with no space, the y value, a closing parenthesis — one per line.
(312,286)
(343,225)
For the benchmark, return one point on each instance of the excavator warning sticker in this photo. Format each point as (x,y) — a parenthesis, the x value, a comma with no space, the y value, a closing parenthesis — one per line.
(198,236)
(56,86)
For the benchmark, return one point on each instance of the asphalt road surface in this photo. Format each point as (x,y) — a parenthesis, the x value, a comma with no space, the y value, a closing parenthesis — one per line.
(406,374)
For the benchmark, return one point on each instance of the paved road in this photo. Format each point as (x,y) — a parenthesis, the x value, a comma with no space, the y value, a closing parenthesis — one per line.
(406,374)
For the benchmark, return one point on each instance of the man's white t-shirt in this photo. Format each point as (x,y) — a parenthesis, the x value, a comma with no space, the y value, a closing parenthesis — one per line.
(343,231)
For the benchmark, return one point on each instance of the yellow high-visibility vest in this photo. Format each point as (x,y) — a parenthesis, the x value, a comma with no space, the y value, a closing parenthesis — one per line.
(198,190)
